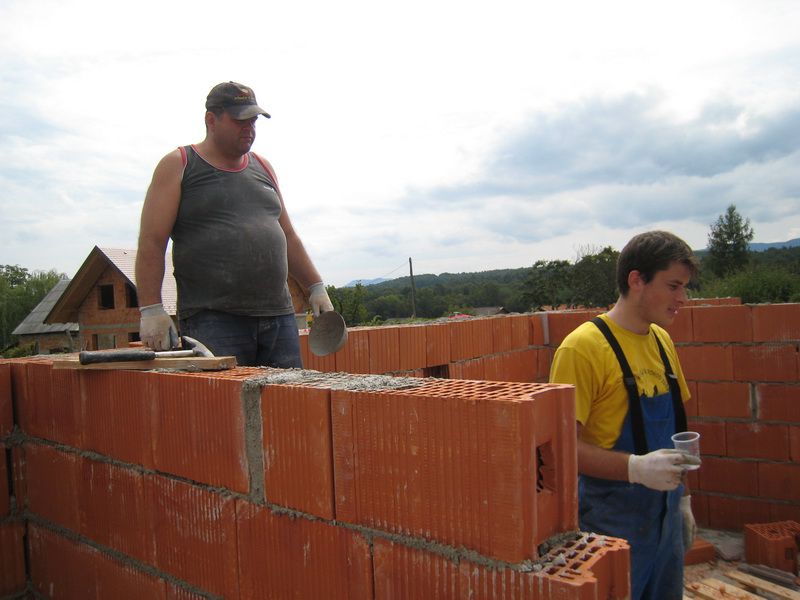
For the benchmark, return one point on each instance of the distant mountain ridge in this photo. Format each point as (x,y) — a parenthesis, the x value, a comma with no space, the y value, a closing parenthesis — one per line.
(365,282)
(760,247)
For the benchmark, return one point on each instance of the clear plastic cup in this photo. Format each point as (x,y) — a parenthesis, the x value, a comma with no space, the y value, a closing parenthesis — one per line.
(688,442)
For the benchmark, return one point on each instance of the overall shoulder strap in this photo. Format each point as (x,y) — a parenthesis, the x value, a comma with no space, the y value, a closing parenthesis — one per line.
(634,404)
(674,388)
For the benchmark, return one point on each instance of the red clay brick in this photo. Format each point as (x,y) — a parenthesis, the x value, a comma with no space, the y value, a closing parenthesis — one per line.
(680,330)
(195,533)
(118,414)
(756,440)
(5,499)
(304,355)
(502,334)
(712,436)
(727,476)
(353,357)
(794,443)
(384,350)
(324,364)
(122,582)
(470,338)
(765,362)
(411,342)
(701,551)
(468,369)
(60,568)
(772,544)
(12,557)
(174,592)
(114,509)
(776,322)
(561,324)
(700,507)
(403,572)
(726,399)
(539,329)
(52,478)
(732,513)
(6,410)
(298,459)
(52,404)
(783,511)
(779,481)
(437,345)
(706,363)
(461,460)
(778,402)
(199,429)
(722,324)
(520,331)
(285,557)
(690,405)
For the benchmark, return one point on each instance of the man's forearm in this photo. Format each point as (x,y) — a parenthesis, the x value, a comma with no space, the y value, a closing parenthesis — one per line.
(602,463)
(149,273)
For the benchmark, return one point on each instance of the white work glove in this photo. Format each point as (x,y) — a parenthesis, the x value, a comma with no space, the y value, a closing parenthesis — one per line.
(156,329)
(689,525)
(318,299)
(659,470)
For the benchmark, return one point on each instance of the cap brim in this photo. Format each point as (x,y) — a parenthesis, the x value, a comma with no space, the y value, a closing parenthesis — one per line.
(246,111)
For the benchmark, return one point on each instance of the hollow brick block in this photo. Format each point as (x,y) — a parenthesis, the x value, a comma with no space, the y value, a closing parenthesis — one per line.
(353,357)
(712,436)
(776,322)
(539,329)
(681,329)
(5,492)
(701,551)
(520,331)
(52,484)
(384,350)
(488,466)
(561,324)
(726,476)
(411,343)
(195,533)
(12,557)
(114,509)
(780,481)
(298,461)
(722,323)
(176,592)
(772,544)
(323,364)
(706,362)
(732,513)
(723,399)
(437,344)
(794,443)
(757,440)
(118,414)
(51,406)
(6,407)
(199,428)
(502,334)
(767,362)
(778,402)
(285,557)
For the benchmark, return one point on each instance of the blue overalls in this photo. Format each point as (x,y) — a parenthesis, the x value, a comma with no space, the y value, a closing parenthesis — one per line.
(650,520)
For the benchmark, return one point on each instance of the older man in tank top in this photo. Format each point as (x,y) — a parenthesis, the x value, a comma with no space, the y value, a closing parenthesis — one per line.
(233,243)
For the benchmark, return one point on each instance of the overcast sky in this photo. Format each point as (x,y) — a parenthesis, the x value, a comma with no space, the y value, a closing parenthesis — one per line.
(466,135)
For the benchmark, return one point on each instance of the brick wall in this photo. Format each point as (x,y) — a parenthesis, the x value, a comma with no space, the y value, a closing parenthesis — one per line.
(258,483)
(99,321)
(328,484)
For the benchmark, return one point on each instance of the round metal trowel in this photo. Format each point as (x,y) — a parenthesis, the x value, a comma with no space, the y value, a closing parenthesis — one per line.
(328,333)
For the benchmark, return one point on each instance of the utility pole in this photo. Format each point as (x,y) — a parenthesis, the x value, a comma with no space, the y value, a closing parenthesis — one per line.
(413,291)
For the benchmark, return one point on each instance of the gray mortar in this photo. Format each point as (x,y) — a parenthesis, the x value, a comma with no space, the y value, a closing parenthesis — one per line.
(254,440)
(333,381)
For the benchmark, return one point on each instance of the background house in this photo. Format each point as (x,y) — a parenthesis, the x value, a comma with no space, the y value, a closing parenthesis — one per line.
(48,338)
(102,299)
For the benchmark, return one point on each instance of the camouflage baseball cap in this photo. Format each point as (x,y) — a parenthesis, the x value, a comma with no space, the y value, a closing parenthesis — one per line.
(238,100)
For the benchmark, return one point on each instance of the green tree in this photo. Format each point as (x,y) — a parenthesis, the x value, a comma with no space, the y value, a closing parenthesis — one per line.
(20,292)
(594,279)
(349,302)
(548,284)
(728,243)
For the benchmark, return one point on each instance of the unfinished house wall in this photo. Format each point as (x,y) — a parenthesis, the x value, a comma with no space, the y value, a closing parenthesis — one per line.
(258,483)
(232,483)
(109,316)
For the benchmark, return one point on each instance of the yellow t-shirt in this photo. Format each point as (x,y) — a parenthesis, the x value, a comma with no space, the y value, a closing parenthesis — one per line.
(585,360)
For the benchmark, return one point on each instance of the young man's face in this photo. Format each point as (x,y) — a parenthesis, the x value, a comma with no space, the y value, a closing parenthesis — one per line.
(235,136)
(661,297)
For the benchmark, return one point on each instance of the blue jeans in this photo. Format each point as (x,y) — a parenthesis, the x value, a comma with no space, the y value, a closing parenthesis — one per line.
(254,341)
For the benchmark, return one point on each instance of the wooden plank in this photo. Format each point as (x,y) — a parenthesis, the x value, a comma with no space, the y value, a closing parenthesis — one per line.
(714,589)
(190,363)
(763,585)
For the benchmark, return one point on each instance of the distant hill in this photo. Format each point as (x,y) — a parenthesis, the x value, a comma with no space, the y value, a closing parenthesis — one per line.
(759,247)
(365,282)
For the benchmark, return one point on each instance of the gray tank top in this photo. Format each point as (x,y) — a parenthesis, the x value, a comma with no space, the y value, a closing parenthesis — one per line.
(228,249)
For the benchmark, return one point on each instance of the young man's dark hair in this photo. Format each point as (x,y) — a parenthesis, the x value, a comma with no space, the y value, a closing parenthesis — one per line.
(651,252)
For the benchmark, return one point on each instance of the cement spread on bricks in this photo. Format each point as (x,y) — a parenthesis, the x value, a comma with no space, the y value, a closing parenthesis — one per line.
(333,381)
